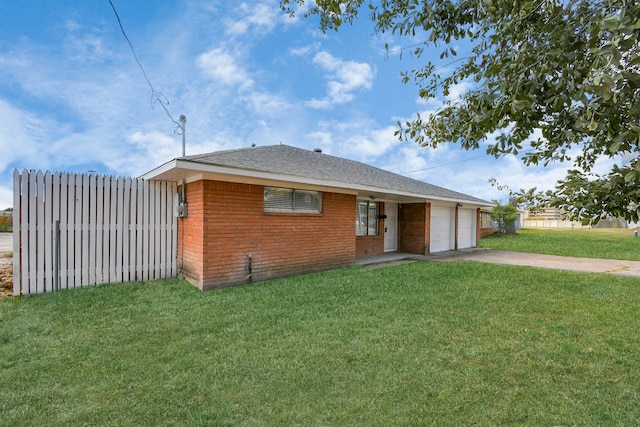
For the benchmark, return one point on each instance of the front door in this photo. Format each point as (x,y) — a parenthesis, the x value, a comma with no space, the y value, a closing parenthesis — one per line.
(391,227)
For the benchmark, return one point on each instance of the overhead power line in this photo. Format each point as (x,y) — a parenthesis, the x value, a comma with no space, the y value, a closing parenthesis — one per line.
(440,166)
(156,96)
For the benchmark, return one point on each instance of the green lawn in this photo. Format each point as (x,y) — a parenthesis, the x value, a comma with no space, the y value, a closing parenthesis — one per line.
(594,243)
(425,343)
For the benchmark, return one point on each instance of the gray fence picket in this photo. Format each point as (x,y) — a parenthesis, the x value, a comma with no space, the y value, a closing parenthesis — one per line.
(17,274)
(48,232)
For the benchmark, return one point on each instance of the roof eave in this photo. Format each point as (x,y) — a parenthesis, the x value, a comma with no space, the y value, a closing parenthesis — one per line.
(179,169)
(157,173)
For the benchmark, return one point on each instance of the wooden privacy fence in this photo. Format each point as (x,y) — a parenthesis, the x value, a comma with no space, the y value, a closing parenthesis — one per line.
(72,230)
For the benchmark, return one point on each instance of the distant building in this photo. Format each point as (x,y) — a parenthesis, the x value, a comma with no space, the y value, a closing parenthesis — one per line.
(554,217)
(550,213)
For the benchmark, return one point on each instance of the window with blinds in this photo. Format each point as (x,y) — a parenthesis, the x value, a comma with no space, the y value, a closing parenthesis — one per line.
(289,200)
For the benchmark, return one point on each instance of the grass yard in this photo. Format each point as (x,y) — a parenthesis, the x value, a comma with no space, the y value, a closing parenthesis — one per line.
(425,343)
(594,243)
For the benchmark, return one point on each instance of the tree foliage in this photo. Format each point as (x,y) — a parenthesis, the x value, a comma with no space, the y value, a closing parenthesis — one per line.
(554,80)
(505,217)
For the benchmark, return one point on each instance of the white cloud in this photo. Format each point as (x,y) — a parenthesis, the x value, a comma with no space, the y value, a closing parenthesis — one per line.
(14,60)
(151,149)
(457,90)
(319,104)
(257,17)
(468,171)
(268,104)
(223,67)
(373,143)
(6,196)
(345,77)
(19,145)
(304,50)
(20,137)
(409,159)
(321,139)
(86,44)
(386,44)
(358,139)
(299,11)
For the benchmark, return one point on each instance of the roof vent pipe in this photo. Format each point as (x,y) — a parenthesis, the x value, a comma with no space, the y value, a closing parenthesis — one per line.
(318,150)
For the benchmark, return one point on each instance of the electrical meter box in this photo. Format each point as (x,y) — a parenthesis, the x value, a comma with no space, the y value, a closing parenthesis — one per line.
(181,210)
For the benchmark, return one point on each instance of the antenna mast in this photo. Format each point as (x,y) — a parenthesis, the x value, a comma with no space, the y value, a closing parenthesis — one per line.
(182,208)
(183,122)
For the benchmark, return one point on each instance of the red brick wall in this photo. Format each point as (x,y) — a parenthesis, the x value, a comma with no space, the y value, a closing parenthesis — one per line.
(413,227)
(485,232)
(370,245)
(190,240)
(482,232)
(233,226)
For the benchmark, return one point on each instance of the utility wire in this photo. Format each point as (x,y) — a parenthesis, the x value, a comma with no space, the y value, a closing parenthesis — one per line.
(156,96)
(440,166)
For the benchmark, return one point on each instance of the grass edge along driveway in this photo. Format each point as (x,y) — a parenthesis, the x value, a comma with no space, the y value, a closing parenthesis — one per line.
(414,344)
(618,243)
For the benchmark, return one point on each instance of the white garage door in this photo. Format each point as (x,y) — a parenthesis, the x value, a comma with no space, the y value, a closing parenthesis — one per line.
(466,228)
(442,232)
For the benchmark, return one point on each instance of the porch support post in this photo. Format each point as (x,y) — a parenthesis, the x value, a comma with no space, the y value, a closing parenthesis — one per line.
(455,237)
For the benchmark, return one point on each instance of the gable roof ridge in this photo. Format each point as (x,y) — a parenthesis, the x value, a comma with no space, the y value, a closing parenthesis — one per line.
(231,150)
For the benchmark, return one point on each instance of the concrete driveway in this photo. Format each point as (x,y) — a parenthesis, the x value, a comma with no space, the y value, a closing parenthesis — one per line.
(589,265)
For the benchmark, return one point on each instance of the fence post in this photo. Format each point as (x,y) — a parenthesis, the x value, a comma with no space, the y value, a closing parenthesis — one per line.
(56,253)
(17,277)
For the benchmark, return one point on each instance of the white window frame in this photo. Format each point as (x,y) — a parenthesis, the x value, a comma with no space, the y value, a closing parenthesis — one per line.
(367,225)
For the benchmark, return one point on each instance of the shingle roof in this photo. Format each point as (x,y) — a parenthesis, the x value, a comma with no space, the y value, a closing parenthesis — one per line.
(287,160)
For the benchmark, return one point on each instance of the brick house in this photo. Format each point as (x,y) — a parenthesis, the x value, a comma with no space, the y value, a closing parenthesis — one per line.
(259,213)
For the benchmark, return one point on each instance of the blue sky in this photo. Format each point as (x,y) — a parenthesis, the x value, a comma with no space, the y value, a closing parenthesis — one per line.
(72,97)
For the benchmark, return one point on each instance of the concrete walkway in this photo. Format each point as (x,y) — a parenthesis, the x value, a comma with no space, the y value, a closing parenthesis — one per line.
(589,265)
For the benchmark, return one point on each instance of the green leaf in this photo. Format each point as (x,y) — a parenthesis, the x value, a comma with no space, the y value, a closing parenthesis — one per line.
(615,147)
(611,22)
(519,105)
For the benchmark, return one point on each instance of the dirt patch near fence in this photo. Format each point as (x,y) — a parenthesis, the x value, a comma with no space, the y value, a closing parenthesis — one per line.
(6,275)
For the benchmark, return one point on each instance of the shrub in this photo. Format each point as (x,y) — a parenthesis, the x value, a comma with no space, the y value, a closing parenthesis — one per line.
(6,223)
